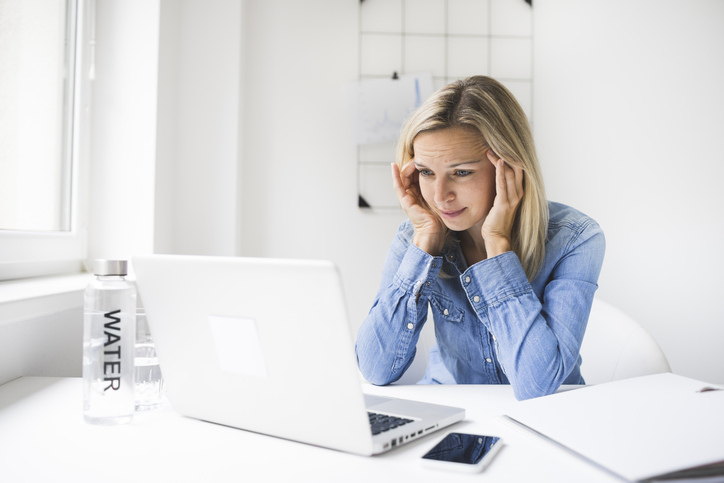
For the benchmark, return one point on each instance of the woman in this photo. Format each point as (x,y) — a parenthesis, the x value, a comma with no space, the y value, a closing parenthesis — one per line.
(509,276)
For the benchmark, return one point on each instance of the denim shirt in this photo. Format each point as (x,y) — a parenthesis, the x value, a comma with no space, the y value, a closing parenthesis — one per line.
(492,325)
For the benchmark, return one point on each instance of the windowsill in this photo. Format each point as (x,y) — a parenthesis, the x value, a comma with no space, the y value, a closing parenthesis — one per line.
(35,297)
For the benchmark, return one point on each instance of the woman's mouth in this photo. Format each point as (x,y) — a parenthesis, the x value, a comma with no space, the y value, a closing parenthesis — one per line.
(451,214)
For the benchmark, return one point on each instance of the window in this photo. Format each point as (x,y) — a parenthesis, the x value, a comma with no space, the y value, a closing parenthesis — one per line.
(45,70)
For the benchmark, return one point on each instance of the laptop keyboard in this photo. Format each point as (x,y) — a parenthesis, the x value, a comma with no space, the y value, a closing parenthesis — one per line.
(379,423)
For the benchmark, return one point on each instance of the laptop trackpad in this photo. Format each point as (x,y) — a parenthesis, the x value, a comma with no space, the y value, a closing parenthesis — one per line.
(371,401)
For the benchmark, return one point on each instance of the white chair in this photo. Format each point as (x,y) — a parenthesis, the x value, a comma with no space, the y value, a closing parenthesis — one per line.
(617,347)
(614,347)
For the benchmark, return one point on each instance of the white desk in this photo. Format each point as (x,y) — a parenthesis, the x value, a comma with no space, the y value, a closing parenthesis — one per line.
(43,438)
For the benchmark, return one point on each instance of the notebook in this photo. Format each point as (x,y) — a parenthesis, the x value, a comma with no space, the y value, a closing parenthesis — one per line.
(264,345)
(650,428)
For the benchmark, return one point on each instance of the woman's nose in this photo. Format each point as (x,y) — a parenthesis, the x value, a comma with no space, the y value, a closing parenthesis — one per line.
(443,193)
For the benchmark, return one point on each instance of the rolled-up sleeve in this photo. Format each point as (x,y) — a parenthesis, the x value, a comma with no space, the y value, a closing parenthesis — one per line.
(387,339)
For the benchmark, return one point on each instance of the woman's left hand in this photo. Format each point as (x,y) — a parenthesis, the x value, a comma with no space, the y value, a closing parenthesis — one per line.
(498,225)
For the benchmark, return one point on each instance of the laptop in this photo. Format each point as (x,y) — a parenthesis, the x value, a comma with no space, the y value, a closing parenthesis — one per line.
(264,345)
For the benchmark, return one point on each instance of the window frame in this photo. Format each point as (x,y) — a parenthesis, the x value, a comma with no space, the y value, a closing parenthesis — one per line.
(26,254)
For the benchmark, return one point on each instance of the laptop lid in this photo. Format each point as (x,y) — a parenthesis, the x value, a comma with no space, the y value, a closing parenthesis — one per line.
(258,344)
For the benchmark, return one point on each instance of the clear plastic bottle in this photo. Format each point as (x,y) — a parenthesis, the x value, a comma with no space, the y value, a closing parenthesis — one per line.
(149,380)
(109,336)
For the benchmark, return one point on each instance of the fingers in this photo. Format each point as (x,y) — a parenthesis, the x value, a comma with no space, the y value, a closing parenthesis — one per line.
(407,174)
(403,180)
(400,189)
(403,183)
(510,182)
(396,183)
(501,185)
(508,178)
(514,179)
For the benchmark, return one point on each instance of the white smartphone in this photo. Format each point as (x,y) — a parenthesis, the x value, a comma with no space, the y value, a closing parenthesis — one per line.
(463,452)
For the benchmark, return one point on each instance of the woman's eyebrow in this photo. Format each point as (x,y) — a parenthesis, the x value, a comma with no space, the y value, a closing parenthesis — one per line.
(464,163)
(451,166)
(420,165)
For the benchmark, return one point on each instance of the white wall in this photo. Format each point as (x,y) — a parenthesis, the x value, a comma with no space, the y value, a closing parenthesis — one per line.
(263,83)
(199,84)
(165,136)
(299,192)
(123,132)
(628,103)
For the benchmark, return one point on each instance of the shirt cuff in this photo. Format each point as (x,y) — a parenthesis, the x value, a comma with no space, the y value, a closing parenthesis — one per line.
(494,280)
(418,269)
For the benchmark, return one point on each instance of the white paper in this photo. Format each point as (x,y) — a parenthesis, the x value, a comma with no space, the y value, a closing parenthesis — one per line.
(238,347)
(380,106)
(637,428)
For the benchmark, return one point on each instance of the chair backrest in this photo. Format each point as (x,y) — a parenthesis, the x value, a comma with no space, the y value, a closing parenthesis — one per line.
(617,347)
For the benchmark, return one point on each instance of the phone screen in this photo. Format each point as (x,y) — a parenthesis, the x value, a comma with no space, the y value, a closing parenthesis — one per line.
(463,448)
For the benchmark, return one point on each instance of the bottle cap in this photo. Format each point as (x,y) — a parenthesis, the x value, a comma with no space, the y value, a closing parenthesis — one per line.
(110,267)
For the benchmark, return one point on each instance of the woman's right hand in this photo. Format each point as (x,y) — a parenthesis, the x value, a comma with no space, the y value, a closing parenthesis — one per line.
(429,228)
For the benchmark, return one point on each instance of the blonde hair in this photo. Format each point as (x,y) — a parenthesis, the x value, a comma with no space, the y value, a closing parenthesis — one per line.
(485,105)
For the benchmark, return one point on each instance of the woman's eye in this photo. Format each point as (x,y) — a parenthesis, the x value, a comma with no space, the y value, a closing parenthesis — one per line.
(425,172)
(462,173)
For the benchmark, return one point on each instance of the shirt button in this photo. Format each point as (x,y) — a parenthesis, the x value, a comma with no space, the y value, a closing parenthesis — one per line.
(410,326)
(480,440)
(467,279)
(486,360)
(476,299)
(450,258)
(427,284)
(434,264)
(446,312)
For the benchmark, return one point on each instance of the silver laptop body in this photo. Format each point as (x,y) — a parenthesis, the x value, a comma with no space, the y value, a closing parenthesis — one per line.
(264,345)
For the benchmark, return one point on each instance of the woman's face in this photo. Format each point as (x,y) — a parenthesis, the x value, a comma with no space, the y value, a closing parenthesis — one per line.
(456,178)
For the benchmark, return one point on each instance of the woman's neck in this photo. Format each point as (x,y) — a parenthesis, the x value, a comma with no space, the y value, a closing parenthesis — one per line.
(473,246)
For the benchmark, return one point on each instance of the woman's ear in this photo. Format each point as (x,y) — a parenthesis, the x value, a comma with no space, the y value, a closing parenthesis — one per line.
(492,157)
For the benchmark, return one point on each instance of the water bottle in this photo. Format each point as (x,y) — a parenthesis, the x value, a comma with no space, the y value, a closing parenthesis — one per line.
(109,336)
(149,380)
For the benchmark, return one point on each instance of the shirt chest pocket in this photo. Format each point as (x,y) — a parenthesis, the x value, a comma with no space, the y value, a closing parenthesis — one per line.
(450,327)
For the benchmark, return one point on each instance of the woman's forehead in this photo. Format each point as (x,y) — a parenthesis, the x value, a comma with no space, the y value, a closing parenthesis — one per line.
(449,143)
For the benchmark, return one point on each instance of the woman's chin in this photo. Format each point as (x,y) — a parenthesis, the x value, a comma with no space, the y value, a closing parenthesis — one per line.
(457,225)
(461,224)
